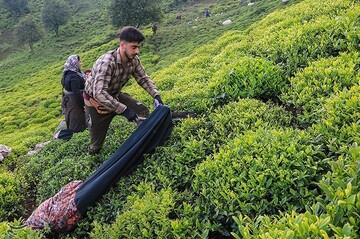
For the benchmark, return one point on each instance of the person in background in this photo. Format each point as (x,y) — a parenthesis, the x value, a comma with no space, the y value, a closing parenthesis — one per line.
(87,73)
(73,81)
(207,12)
(104,98)
(154,29)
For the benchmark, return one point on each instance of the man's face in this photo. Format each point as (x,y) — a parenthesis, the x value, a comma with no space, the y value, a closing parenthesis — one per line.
(131,49)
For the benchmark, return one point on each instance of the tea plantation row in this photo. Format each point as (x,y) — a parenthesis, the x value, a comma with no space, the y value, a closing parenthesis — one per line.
(273,152)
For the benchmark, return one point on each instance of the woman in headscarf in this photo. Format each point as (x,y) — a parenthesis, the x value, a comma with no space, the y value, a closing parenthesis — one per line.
(73,82)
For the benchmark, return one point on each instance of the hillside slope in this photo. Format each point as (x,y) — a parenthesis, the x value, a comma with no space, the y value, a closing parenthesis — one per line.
(28,118)
(272,153)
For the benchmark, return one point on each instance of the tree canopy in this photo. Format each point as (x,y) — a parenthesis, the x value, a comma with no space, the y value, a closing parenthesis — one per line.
(16,7)
(28,31)
(134,13)
(55,14)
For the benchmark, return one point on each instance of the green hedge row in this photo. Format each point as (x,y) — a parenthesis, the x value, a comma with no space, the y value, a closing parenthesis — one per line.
(260,172)
(246,77)
(144,215)
(63,161)
(335,215)
(17,230)
(241,168)
(313,85)
(247,64)
(339,128)
(198,138)
(10,196)
(310,31)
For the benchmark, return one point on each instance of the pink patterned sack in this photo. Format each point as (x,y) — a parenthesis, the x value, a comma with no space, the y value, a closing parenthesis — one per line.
(59,212)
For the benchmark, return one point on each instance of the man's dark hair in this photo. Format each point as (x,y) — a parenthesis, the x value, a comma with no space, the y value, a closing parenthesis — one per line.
(131,34)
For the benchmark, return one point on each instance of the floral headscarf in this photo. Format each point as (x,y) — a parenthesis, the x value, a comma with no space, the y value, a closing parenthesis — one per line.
(73,64)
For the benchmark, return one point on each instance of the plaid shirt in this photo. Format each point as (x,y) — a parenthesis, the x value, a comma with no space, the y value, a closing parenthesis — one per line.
(108,77)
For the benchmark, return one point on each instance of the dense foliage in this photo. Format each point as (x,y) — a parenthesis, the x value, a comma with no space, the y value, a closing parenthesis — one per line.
(134,13)
(16,8)
(55,14)
(28,31)
(273,151)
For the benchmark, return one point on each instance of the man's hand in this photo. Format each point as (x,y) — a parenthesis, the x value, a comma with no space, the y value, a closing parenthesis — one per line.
(157,101)
(130,115)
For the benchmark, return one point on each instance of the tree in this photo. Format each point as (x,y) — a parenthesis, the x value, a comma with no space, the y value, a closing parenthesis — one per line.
(55,14)
(16,8)
(134,13)
(28,31)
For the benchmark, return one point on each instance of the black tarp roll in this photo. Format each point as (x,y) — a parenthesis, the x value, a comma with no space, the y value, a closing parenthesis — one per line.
(151,133)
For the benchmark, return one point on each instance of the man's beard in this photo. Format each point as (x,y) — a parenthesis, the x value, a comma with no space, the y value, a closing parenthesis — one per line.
(128,57)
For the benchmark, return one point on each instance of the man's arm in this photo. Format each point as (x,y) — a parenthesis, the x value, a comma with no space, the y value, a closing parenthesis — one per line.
(143,79)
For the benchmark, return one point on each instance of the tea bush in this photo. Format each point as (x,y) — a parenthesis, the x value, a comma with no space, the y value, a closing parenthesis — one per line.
(289,225)
(241,168)
(342,197)
(195,73)
(341,190)
(190,91)
(195,139)
(172,165)
(260,172)
(10,196)
(56,164)
(339,127)
(290,45)
(246,77)
(144,216)
(311,35)
(313,85)
(16,230)
(335,215)
(63,161)
(235,118)
(161,214)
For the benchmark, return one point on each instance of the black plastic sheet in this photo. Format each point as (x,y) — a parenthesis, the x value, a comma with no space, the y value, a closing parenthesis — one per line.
(151,133)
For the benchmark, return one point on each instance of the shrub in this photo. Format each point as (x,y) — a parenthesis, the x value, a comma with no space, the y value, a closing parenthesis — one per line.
(17,230)
(60,174)
(289,225)
(144,216)
(246,77)
(194,139)
(339,127)
(10,196)
(56,164)
(341,194)
(260,172)
(316,30)
(314,84)
(151,214)
(335,215)
(246,114)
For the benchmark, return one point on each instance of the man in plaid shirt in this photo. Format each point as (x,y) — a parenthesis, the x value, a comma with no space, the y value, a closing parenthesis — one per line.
(103,96)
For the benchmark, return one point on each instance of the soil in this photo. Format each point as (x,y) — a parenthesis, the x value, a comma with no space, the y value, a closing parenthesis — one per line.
(29,204)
